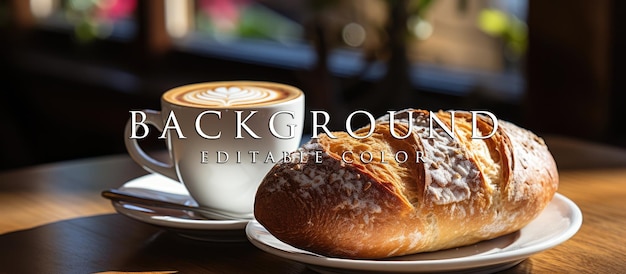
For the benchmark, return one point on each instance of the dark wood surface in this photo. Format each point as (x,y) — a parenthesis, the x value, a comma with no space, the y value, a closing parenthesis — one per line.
(112,242)
(54,221)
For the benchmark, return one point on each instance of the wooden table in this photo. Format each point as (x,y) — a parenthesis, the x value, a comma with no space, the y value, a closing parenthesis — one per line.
(53,220)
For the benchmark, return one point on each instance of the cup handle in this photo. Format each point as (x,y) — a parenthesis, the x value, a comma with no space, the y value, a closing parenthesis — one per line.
(139,155)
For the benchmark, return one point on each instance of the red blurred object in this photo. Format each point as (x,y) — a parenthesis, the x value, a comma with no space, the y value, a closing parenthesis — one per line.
(116,9)
(223,13)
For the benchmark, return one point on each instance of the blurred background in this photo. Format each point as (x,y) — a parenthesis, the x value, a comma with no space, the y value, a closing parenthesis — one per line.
(71,70)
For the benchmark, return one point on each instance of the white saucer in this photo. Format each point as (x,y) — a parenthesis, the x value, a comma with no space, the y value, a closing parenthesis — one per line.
(184,223)
(558,222)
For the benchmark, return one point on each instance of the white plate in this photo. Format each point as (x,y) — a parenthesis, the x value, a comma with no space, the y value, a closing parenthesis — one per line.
(185,223)
(558,222)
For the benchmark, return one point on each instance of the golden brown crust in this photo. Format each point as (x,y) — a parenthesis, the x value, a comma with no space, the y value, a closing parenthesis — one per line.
(448,193)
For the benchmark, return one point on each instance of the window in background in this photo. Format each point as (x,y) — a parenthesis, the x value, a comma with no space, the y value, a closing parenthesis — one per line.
(458,47)
(471,47)
(485,35)
(88,19)
(247,30)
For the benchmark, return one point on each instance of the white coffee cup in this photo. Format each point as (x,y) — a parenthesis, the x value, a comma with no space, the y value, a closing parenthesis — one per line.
(222,137)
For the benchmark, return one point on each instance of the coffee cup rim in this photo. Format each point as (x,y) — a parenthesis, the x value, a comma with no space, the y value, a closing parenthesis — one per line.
(295,94)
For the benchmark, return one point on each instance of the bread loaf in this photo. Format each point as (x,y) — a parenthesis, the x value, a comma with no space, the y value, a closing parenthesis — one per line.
(447,192)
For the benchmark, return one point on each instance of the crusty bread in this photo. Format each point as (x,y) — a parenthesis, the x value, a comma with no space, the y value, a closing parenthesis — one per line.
(461,191)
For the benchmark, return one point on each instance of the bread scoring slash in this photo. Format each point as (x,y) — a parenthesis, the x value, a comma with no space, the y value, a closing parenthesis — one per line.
(463,190)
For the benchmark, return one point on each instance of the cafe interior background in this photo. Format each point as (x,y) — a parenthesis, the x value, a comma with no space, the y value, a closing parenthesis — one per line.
(70,70)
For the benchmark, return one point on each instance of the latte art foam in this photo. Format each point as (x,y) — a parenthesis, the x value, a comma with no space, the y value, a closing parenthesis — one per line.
(231,94)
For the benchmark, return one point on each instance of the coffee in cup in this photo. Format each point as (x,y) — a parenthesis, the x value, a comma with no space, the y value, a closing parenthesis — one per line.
(222,138)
